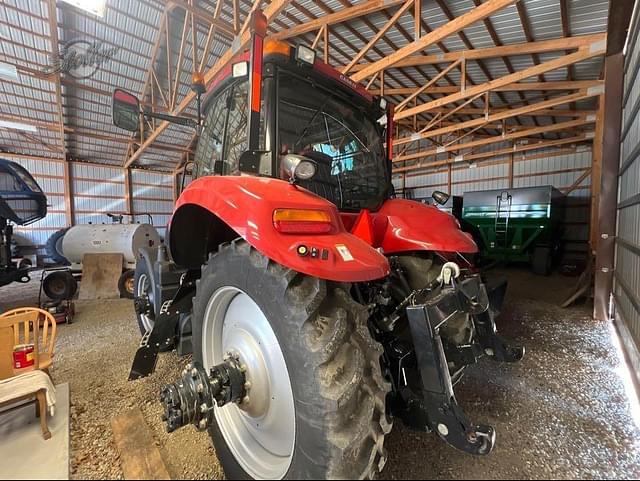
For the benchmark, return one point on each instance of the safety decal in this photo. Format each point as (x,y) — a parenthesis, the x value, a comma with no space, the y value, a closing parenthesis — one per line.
(344,252)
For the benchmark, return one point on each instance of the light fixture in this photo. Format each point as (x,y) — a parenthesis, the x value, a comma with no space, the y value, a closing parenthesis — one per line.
(240,69)
(96,7)
(8,71)
(305,54)
(6,124)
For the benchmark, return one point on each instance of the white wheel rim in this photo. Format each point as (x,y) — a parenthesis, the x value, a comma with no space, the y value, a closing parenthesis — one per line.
(260,433)
(144,289)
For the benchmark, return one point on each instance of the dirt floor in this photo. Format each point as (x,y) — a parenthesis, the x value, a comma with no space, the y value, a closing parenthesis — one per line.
(561,413)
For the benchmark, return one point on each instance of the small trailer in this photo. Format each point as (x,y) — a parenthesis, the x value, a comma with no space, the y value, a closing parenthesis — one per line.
(517,225)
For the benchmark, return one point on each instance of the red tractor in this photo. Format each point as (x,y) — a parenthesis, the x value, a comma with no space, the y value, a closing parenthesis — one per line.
(316,305)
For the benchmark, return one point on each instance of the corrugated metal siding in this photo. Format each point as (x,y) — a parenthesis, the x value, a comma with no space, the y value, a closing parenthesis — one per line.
(627,266)
(152,194)
(97,191)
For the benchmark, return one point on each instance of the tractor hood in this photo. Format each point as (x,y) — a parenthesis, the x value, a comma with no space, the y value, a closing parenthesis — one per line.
(405,225)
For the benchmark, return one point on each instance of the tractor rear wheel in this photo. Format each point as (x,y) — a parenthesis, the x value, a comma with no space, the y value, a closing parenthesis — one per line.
(315,405)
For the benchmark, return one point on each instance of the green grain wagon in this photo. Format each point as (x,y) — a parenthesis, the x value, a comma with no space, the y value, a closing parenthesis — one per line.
(517,225)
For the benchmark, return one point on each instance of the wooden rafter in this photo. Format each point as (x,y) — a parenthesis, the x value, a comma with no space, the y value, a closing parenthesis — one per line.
(505,114)
(486,9)
(499,138)
(584,53)
(543,144)
(271,11)
(341,16)
(514,87)
(555,45)
(385,28)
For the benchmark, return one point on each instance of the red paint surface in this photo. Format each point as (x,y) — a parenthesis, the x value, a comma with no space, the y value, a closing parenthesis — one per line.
(405,225)
(246,204)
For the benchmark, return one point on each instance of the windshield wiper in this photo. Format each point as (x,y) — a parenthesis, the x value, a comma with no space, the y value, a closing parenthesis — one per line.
(313,117)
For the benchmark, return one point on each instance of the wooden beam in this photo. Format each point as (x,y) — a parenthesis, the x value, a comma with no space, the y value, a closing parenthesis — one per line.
(596,174)
(485,10)
(499,138)
(418,91)
(183,41)
(271,12)
(341,16)
(577,182)
(385,28)
(536,113)
(128,192)
(210,35)
(139,454)
(53,32)
(514,87)
(417,19)
(222,26)
(504,114)
(556,45)
(584,53)
(496,153)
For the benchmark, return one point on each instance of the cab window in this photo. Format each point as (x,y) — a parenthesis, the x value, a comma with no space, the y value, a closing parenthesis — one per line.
(209,148)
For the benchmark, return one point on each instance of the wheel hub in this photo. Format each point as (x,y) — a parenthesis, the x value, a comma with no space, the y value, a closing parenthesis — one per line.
(260,430)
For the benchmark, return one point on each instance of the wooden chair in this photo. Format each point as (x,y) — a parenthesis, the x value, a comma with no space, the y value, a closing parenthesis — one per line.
(28,326)
(35,326)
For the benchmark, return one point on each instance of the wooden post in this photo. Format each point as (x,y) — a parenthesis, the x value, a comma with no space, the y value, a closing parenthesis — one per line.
(128,192)
(68,195)
(511,166)
(596,175)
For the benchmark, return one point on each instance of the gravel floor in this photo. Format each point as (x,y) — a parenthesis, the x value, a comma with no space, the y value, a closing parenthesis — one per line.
(562,413)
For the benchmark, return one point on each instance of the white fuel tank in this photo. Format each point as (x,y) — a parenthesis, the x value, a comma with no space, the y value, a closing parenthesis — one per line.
(109,239)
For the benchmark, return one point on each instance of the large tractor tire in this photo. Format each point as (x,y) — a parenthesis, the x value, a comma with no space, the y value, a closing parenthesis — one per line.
(315,407)
(54,247)
(126,284)
(60,286)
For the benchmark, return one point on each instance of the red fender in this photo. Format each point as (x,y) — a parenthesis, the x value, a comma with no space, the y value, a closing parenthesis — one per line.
(411,225)
(246,204)
(405,225)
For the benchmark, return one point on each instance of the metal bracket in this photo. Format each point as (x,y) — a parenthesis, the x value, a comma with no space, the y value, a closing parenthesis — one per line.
(175,299)
(445,417)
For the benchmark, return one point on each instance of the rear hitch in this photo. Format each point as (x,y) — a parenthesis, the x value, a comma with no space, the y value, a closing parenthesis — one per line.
(444,416)
(192,399)
(426,314)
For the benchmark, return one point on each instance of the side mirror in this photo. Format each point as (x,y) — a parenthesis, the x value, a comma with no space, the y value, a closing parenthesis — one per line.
(126,110)
(298,167)
(440,197)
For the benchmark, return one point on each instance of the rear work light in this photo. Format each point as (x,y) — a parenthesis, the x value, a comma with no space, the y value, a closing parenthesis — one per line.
(240,69)
(302,221)
(305,54)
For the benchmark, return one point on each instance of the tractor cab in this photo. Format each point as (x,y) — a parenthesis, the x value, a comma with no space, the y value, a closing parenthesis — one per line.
(312,120)
(22,202)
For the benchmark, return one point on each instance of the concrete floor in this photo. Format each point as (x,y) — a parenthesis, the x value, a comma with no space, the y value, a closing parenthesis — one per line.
(26,454)
(564,412)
